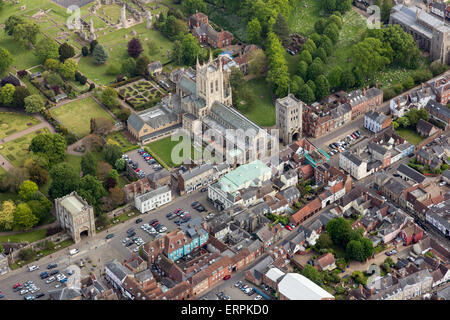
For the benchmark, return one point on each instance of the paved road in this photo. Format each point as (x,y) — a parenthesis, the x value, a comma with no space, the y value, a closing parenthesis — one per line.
(99,249)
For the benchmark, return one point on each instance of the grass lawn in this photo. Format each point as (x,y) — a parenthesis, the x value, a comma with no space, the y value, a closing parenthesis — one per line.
(116,45)
(410,135)
(30,236)
(22,57)
(16,151)
(119,139)
(302,19)
(354,25)
(263,112)
(76,115)
(163,149)
(11,123)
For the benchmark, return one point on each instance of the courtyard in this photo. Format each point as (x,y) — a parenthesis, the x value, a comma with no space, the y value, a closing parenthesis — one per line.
(76,115)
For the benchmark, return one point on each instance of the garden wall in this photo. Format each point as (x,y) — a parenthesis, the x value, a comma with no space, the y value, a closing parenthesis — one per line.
(428,140)
(119,211)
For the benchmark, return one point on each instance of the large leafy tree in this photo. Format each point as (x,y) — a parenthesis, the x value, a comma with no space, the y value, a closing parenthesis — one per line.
(64,180)
(186,50)
(88,164)
(338,229)
(24,219)
(66,51)
(7,94)
(19,97)
(51,146)
(91,189)
(142,64)
(192,6)
(6,60)
(111,153)
(100,54)
(306,94)
(254,31)
(33,103)
(322,87)
(68,69)
(27,190)
(134,48)
(109,98)
(40,208)
(278,74)
(312,274)
(368,56)
(26,33)
(7,215)
(46,49)
(281,28)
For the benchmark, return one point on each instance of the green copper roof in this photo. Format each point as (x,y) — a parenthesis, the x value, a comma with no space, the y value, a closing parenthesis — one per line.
(240,176)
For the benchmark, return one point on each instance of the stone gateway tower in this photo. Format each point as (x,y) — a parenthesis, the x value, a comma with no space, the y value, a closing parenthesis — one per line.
(75,215)
(289,118)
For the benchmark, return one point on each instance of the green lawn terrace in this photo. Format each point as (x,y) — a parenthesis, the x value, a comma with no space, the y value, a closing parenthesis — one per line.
(164,148)
(76,115)
(120,140)
(410,135)
(16,151)
(263,110)
(116,44)
(12,122)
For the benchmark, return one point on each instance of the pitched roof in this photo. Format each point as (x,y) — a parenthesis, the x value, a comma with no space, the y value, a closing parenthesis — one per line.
(297,287)
(306,210)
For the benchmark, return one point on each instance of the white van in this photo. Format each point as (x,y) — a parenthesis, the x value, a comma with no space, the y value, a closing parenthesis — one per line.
(73,251)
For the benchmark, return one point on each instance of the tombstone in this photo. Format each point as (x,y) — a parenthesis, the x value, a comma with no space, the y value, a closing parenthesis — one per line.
(149,20)
(91,26)
(23,7)
(133,32)
(123,17)
(125,36)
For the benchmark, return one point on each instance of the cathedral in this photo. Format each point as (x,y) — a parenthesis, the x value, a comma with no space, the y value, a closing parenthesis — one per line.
(203,104)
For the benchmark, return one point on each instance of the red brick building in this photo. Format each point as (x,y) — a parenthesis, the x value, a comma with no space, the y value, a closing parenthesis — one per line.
(201,29)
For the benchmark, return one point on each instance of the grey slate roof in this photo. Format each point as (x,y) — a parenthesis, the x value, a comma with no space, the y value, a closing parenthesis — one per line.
(233,118)
(196,171)
(64,293)
(153,193)
(188,85)
(118,269)
(411,173)
(351,157)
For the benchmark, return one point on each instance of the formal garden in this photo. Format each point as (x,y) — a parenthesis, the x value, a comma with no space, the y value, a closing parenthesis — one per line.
(119,139)
(16,151)
(76,115)
(141,94)
(12,122)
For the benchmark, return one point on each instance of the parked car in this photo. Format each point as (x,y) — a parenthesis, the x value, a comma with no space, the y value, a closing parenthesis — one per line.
(54,272)
(288,227)
(227,277)
(258,297)
(39,295)
(52,265)
(50,280)
(109,236)
(33,268)
(203,189)
(139,220)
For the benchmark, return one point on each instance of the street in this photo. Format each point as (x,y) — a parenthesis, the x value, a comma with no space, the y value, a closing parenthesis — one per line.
(98,249)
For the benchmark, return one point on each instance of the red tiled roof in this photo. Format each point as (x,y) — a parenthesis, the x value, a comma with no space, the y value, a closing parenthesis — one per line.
(306,210)
(325,260)
(307,170)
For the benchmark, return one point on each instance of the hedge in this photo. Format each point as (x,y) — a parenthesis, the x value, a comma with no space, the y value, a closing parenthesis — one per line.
(122,83)
(157,158)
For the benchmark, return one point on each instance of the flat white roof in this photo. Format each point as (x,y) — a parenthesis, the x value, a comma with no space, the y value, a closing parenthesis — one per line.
(294,286)
(274,274)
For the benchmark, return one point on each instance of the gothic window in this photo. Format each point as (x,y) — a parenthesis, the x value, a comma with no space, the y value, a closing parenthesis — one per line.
(217,85)
(212,87)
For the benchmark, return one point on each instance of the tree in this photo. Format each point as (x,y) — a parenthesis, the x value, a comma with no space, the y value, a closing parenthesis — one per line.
(312,274)
(85,51)
(359,278)
(332,32)
(324,241)
(302,69)
(92,46)
(52,64)
(338,229)
(257,62)
(367,247)
(25,33)
(334,77)
(91,189)
(134,48)
(68,69)
(254,31)
(46,49)
(120,164)
(88,164)
(347,80)
(186,50)
(100,54)
(109,98)
(7,215)
(128,67)
(66,51)
(38,174)
(111,153)
(103,169)
(320,53)
(315,70)
(306,94)
(19,97)
(24,219)
(355,251)
(320,25)
(40,208)
(64,180)
(305,56)
(13,178)
(278,74)
(193,6)
(322,87)
(142,64)
(34,103)
(437,67)
(51,146)
(6,60)
(386,10)
(117,196)
(7,94)
(281,28)
(27,190)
